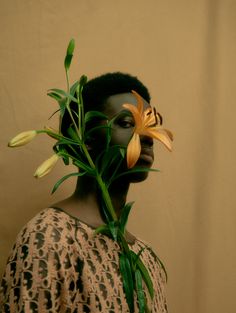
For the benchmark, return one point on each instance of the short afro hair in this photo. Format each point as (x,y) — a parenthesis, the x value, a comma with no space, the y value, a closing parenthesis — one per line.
(97,90)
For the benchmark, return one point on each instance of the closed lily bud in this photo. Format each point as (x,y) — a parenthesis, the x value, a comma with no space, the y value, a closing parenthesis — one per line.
(22,138)
(46,166)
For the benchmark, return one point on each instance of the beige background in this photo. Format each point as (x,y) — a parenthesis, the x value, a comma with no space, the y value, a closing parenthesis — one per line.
(183,51)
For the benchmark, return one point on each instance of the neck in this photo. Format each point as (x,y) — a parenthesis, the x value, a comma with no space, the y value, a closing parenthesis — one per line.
(87,191)
(118,193)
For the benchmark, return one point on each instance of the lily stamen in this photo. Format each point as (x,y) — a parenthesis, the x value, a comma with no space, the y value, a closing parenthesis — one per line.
(160,118)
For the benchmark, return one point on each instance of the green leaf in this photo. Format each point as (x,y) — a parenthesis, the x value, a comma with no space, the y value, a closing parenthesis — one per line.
(146,276)
(53,114)
(73,88)
(124,244)
(110,156)
(62,104)
(115,168)
(60,181)
(126,274)
(75,113)
(105,213)
(140,292)
(124,216)
(54,95)
(122,152)
(163,267)
(63,93)
(69,54)
(83,80)
(67,61)
(61,101)
(103,229)
(56,91)
(71,47)
(92,114)
(85,167)
(113,229)
(89,132)
(68,141)
(146,308)
(73,134)
(66,160)
(109,131)
(136,170)
(135,256)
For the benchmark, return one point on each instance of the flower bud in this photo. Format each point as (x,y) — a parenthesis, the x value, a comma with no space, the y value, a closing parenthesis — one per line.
(22,138)
(46,166)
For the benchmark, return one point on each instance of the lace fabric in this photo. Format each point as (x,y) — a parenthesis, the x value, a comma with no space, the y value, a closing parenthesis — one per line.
(58,265)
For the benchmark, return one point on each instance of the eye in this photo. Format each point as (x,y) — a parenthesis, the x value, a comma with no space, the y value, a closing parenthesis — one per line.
(126,122)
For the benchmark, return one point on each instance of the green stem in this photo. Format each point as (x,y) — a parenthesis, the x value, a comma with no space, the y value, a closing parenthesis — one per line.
(68,108)
(115,171)
(105,193)
(106,197)
(55,135)
(81,110)
(67,82)
(85,150)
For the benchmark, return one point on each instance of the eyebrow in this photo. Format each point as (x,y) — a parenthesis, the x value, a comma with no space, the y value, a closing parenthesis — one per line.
(122,113)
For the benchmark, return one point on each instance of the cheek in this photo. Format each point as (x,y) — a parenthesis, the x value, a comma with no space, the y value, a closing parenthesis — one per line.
(121,136)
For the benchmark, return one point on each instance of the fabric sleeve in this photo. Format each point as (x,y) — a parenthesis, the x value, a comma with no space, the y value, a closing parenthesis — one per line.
(157,274)
(41,275)
(159,282)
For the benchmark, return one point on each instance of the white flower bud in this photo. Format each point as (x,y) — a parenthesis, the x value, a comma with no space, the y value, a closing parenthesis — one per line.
(22,138)
(46,166)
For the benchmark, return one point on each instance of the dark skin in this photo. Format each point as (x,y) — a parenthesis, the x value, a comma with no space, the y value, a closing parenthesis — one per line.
(84,204)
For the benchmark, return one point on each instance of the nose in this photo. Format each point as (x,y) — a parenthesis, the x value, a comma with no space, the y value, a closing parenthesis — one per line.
(146,141)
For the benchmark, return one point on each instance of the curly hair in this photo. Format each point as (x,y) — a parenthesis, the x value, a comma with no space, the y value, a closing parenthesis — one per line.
(97,90)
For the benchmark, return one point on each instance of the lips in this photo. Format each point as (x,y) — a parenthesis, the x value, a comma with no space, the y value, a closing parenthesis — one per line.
(146,155)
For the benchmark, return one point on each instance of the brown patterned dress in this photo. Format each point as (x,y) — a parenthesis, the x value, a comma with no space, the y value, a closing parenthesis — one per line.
(58,265)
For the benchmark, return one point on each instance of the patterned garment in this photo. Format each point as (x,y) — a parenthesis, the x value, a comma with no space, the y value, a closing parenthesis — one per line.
(58,265)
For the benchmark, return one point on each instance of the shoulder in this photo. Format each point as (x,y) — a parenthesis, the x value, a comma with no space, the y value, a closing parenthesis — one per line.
(157,274)
(152,260)
(49,229)
(46,244)
(45,259)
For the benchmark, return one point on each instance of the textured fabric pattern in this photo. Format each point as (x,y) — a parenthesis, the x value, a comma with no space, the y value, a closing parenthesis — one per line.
(58,265)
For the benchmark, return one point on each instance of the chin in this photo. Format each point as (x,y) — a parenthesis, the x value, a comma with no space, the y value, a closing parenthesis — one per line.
(140,176)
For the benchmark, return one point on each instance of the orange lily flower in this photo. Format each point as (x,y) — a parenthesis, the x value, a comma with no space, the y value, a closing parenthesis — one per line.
(147,123)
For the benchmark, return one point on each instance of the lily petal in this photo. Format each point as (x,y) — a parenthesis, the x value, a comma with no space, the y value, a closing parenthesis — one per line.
(139,101)
(157,134)
(147,123)
(169,133)
(135,112)
(133,150)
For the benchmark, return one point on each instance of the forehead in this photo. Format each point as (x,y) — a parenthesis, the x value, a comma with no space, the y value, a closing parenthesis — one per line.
(114,104)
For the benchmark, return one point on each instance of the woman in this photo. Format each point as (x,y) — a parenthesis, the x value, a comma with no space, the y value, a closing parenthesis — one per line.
(58,264)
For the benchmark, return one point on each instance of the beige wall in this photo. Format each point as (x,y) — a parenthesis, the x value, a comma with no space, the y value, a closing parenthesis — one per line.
(183,50)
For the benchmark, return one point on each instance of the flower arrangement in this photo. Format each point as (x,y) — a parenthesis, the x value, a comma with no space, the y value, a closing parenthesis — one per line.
(147,122)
